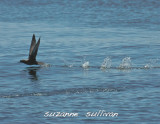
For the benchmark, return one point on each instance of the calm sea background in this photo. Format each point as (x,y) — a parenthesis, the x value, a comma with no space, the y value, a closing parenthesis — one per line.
(121,35)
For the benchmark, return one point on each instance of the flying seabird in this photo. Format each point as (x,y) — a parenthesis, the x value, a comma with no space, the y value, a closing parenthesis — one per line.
(33,53)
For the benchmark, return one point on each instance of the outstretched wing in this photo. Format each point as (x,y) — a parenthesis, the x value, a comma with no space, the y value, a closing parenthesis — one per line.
(33,54)
(33,43)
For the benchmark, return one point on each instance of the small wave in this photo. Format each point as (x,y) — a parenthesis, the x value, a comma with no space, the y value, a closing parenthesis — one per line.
(63,91)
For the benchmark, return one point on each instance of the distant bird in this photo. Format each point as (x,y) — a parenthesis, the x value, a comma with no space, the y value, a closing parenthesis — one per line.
(33,53)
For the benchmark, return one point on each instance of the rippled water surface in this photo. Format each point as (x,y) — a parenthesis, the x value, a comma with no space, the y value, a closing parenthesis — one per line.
(100,56)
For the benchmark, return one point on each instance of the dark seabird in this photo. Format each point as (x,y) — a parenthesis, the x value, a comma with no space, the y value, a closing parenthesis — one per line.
(33,53)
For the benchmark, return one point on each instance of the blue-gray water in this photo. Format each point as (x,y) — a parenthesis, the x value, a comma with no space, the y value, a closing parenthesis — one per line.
(124,33)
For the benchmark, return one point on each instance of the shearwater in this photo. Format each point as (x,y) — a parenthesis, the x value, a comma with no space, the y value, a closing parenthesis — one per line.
(33,53)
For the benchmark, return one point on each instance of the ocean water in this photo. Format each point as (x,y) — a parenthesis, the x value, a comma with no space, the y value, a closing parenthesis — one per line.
(102,61)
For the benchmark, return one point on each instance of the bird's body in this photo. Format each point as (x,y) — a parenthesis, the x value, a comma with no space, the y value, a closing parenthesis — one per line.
(33,53)
(28,62)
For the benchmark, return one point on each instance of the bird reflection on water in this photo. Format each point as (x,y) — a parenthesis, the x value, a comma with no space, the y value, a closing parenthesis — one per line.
(32,71)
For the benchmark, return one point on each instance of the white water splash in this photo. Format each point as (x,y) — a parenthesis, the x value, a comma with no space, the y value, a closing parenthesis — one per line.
(147,66)
(70,65)
(152,63)
(107,63)
(46,65)
(126,63)
(85,65)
